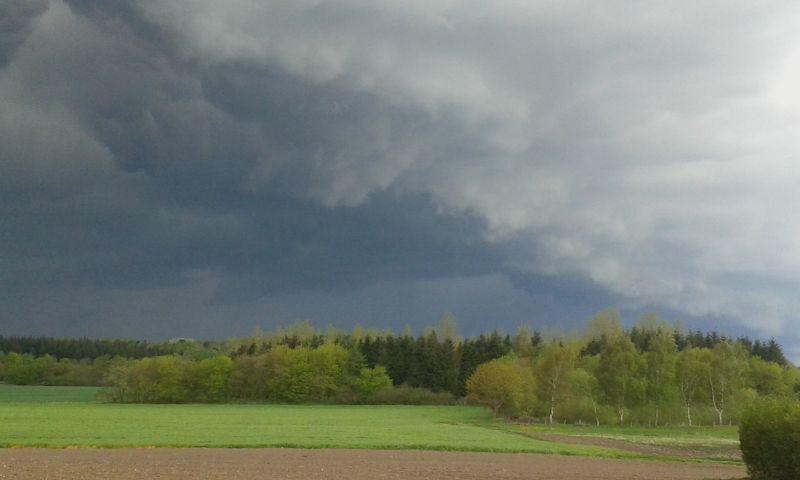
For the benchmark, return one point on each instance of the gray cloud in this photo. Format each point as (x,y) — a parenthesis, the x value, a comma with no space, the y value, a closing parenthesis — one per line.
(640,155)
(16,19)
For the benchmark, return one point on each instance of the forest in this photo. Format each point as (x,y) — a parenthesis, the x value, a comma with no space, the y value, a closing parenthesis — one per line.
(653,373)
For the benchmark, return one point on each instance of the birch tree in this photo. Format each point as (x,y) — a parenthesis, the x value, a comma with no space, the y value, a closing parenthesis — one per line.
(660,369)
(619,374)
(690,378)
(724,375)
(552,369)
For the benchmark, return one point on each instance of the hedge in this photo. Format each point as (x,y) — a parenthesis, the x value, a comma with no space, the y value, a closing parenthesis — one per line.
(769,433)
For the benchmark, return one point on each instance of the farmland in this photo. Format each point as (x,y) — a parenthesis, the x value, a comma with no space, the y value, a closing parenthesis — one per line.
(696,443)
(85,423)
(33,416)
(348,438)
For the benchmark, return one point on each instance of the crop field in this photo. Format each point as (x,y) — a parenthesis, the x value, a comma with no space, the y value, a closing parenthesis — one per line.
(73,417)
(77,420)
(60,417)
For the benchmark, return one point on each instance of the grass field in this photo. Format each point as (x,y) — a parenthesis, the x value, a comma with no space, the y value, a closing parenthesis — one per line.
(71,416)
(378,427)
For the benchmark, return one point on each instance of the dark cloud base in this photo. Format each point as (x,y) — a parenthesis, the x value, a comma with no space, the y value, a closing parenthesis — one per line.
(157,185)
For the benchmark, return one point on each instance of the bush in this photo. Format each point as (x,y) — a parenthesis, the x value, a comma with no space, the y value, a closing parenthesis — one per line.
(249,378)
(27,369)
(770,440)
(371,380)
(404,395)
(299,375)
(209,380)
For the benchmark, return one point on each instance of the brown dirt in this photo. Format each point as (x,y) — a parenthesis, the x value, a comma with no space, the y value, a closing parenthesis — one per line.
(658,450)
(290,464)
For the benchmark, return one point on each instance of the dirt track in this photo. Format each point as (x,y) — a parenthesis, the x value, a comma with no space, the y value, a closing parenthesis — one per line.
(692,452)
(290,464)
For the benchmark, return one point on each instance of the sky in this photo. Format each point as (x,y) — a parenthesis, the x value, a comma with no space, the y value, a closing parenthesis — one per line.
(174,168)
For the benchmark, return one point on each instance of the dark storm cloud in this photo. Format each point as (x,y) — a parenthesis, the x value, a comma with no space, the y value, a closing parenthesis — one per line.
(567,157)
(208,179)
(16,18)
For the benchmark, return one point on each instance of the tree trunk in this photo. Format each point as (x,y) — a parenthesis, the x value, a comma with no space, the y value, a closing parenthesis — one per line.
(718,406)
(622,416)
(596,418)
(657,408)
(496,408)
(689,414)
(552,412)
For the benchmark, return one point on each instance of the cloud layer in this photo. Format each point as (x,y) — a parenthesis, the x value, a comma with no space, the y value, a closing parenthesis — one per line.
(645,153)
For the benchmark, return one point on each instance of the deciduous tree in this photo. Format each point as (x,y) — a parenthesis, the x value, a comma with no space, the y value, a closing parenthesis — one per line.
(502,385)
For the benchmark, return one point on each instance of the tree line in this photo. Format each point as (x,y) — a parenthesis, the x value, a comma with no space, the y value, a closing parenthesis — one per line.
(652,373)
(83,348)
(643,376)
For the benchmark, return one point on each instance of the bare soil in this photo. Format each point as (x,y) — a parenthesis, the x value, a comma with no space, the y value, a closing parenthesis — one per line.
(290,464)
(694,452)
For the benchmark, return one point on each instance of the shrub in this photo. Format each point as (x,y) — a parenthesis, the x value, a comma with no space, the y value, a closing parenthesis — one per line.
(371,380)
(404,395)
(209,380)
(151,380)
(27,369)
(302,374)
(770,440)
(249,378)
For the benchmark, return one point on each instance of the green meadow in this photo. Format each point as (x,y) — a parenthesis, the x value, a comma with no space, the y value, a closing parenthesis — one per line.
(74,417)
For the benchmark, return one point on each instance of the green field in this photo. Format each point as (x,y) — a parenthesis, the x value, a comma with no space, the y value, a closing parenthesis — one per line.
(376,427)
(72,417)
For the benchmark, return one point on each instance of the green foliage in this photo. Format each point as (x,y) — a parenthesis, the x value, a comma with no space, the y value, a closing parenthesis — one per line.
(690,376)
(405,395)
(504,386)
(328,374)
(304,374)
(29,370)
(82,348)
(584,391)
(768,378)
(210,379)
(371,381)
(526,342)
(155,380)
(652,374)
(249,378)
(552,369)
(769,435)
(726,370)
(660,361)
(41,394)
(619,374)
